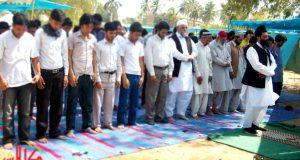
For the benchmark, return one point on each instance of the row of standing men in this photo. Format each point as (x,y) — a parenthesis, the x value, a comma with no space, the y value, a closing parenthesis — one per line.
(179,72)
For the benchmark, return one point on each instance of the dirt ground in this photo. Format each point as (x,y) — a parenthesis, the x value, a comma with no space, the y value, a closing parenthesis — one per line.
(202,149)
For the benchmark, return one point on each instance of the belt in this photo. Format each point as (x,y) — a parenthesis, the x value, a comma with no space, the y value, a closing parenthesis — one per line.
(109,72)
(53,71)
(163,68)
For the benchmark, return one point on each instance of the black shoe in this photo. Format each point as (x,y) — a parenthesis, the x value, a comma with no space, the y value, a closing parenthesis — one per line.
(258,128)
(250,130)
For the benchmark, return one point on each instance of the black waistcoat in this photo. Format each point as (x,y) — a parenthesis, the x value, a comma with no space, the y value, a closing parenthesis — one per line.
(177,62)
(251,77)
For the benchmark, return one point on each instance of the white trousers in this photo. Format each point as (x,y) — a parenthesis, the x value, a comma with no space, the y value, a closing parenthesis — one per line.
(254,115)
(178,100)
(199,104)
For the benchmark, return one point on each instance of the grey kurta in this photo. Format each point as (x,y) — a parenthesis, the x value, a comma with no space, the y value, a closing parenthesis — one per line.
(220,55)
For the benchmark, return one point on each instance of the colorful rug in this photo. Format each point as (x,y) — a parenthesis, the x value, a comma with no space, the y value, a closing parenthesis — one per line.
(278,142)
(143,136)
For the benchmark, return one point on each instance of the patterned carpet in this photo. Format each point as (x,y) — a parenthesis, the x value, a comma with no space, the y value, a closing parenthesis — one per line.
(143,136)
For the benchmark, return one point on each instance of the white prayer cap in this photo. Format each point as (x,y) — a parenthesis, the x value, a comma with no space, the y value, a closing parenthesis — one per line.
(182,22)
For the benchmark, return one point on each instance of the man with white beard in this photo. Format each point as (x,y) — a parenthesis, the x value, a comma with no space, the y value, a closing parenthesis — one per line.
(202,76)
(257,90)
(181,86)
(221,82)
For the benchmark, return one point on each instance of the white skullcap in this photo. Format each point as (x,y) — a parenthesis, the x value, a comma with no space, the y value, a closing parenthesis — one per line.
(182,22)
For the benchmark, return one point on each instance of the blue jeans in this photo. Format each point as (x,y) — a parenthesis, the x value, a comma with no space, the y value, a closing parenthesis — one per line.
(129,98)
(83,91)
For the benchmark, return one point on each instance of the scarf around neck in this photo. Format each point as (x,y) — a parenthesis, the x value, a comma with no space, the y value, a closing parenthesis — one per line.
(51,32)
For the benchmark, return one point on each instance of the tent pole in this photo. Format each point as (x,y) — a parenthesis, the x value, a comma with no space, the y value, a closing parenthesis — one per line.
(32,8)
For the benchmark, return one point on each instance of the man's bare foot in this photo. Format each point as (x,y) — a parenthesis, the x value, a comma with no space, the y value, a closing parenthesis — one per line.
(216,111)
(183,117)
(43,140)
(61,137)
(195,116)
(98,130)
(121,126)
(171,120)
(33,118)
(8,146)
(110,127)
(70,134)
(90,131)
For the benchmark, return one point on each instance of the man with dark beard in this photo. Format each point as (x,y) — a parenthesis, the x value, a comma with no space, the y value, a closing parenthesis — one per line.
(257,90)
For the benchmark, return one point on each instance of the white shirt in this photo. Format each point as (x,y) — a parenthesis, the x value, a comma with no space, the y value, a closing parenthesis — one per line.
(53,51)
(120,39)
(159,52)
(108,58)
(131,53)
(15,58)
(82,56)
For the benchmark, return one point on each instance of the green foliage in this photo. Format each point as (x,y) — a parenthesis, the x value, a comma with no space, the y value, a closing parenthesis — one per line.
(238,9)
(80,7)
(191,9)
(208,13)
(259,9)
(112,6)
(171,16)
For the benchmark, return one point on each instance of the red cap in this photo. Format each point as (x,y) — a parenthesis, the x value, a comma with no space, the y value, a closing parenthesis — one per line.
(222,34)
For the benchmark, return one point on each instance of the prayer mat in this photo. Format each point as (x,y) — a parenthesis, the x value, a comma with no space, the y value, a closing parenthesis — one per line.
(278,142)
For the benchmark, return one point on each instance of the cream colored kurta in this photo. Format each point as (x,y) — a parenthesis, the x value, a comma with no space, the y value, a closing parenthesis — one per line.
(221,80)
(203,68)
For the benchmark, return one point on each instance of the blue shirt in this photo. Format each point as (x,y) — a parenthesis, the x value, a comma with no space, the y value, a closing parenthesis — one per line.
(277,53)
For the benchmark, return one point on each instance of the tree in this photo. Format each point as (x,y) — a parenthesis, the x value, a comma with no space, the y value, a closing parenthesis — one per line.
(155,7)
(240,10)
(191,9)
(79,7)
(149,10)
(145,7)
(282,8)
(112,6)
(171,16)
(208,13)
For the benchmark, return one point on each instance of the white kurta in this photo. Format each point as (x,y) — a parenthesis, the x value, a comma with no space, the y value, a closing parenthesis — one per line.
(203,68)
(184,81)
(220,55)
(259,97)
